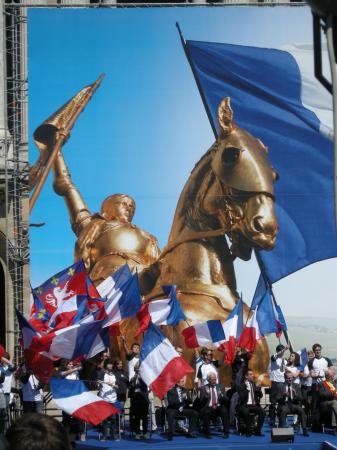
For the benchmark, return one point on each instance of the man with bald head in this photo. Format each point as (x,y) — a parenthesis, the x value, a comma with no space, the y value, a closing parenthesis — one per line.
(213,404)
(289,399)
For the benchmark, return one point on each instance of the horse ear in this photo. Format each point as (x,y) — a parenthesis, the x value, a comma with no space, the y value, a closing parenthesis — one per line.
(225,116)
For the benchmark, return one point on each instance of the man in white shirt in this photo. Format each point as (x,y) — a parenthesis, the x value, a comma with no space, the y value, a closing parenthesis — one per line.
(32,394)
(276,375)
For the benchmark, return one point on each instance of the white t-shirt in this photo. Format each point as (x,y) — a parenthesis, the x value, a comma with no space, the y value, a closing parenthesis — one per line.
(276,371)
(30,393)
(295,372)
(131,366)
(6,386)
(204,370)
(319,365)
(108,392)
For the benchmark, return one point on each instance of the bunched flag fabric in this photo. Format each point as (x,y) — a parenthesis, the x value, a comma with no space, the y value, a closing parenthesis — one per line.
(161,367)
(72,397)
(275,96)
(165,311)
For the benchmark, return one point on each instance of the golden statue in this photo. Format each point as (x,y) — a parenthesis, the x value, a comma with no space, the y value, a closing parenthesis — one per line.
(108,240)
(229,192)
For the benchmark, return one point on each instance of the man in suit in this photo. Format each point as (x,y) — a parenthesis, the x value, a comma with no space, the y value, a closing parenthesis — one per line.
(327,394)
(249,403)
(213,404)
(179,403)
(289,399)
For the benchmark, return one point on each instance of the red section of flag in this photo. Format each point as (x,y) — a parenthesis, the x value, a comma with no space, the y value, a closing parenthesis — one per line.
(190,337)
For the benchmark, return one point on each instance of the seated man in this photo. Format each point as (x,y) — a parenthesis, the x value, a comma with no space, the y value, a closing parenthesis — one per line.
(179,403)
(249,403)
(289,399)
(213,404)
(327,390)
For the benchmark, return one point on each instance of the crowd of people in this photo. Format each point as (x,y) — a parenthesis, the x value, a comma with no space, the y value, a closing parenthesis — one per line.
(307,392)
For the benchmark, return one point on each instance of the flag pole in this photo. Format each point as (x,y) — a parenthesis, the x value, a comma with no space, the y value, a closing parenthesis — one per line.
(61,139)
(263,271)
(202,95)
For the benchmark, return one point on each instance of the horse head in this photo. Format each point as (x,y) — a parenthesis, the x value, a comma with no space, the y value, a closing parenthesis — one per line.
(244,198)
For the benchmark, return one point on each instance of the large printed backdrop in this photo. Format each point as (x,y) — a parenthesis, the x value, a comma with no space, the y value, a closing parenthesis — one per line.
(146,126)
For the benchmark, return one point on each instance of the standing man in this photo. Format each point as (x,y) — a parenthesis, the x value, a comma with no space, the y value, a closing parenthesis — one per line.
(213,403)
(249,402)
(317,367)
(276,375)
(289,399)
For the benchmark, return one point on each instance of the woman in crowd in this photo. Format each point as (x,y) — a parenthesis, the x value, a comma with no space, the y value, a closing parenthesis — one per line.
(293,366)
(139,404)
(70,371)
(108,392)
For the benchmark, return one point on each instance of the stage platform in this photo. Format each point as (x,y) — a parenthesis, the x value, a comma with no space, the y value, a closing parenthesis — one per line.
(316,441)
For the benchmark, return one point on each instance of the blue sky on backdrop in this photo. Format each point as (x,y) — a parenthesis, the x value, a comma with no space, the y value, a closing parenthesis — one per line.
(146,127)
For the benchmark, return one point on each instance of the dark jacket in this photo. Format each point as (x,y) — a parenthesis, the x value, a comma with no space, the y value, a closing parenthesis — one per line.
(205,395)
(324,393)
(282,397)
(243,393)
(138,389)
(173,401)
(122,381)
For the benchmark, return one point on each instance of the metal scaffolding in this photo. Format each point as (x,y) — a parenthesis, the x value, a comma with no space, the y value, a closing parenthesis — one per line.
(15,147)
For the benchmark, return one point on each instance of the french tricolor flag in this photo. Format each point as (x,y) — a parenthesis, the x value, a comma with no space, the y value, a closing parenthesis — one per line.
(161,367)
(72,397)
(233,327)
(251,333)
(165,311)
(71,342)
(122,293)
(205,334)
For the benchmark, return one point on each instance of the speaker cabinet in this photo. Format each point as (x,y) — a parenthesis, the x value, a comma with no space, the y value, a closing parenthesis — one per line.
(282,435)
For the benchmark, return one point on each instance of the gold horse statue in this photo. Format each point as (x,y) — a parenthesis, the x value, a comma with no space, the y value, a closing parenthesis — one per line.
(229,192)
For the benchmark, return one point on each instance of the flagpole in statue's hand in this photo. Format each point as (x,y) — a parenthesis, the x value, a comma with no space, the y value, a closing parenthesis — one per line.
(55,132)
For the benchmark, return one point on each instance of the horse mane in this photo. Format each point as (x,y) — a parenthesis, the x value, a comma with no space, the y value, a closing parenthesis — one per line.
(193,212)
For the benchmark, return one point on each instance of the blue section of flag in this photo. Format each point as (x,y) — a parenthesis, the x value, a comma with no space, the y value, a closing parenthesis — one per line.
(303,357)
(61,277)
(265,90)
(152,338)
(41,313)
(85,337)
(176,312)
(131,299)
(260,292)
(122,276)
(281,318)
(266,316)
(63,388)
(216,330)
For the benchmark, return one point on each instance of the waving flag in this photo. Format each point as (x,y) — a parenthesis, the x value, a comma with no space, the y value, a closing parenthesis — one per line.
(40,317)
(165,311)
(41,366)
(72,397)
(107,288)
(275,96)
(233,327)
(64,296)
(303,354)
(161,367)
(206,334)
(270,315)
(124,302)
(251,333)
(75,341)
